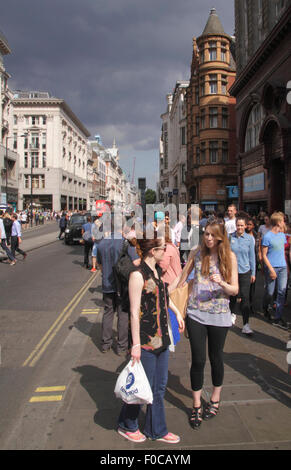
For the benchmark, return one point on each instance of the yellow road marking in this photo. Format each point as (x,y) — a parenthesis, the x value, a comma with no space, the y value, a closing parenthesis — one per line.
(44,398)
(90,312)
(50,334)
(58,388)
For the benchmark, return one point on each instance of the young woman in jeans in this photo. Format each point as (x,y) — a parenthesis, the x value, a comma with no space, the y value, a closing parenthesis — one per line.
(273,250)
(149,302)
(208,313)
(243,246)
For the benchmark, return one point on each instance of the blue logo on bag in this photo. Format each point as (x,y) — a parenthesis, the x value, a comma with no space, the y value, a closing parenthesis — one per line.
(129,380)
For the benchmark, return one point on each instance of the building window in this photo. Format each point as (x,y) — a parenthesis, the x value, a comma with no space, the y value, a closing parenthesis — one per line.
(44,120)
(202,86)
(44,140)
(198,155)
(197,125)
(44,159)
(15,119)
(38,181)
(15,140)
(196,95)
(183,135)
(212,50)
(34,140)
(34,120)
(224,118)
(224,152)
(280,5)
(183,173)
(213,151)
(224,84)
(202,55)
(255,120)
(34,160)
(213,121)
(203,152)
(213,83)
(223,52)
(25,160)
(202,118)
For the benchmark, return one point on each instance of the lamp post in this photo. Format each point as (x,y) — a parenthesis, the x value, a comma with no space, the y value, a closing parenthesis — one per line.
(26,134)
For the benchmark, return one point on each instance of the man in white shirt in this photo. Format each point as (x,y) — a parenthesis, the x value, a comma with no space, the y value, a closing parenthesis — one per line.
(4,245)
(178,230)
(230,221)
(16,237)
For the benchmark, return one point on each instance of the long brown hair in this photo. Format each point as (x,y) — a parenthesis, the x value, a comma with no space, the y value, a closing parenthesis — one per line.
(223,250)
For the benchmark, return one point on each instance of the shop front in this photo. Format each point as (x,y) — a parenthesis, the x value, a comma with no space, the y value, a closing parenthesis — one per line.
(255,193)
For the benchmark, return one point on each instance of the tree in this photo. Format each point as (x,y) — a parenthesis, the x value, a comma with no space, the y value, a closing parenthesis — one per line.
(150,196)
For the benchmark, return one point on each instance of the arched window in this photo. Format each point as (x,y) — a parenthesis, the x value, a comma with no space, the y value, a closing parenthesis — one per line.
(255,120)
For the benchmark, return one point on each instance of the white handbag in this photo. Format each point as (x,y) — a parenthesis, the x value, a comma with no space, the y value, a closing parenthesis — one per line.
(132,385)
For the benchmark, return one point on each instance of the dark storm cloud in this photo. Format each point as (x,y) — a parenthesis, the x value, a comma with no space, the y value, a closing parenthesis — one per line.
(113,61)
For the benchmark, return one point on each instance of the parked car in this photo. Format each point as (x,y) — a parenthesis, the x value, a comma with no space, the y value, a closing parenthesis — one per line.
(73,232)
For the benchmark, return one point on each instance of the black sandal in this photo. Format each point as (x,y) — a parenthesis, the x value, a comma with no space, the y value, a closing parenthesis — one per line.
(210,410)
(195,419)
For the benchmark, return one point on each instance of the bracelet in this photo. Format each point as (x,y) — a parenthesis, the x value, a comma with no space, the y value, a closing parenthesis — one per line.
(135,346)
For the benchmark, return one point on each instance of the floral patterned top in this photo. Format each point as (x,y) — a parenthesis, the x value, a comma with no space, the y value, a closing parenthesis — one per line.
(207,296)
(154,333)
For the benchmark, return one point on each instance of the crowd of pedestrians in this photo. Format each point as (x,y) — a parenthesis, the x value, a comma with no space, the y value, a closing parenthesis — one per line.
(11,236)
(227,253)
(219,255)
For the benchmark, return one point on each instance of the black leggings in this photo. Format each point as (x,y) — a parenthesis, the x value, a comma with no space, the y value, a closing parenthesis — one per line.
(198,333)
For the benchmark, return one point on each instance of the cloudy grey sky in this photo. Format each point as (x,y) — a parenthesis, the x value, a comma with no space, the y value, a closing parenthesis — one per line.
(112,61)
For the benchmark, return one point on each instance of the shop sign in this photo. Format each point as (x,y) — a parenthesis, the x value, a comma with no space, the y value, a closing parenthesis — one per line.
(254,183)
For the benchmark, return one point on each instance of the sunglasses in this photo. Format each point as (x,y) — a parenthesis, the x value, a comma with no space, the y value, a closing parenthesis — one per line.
(161,248)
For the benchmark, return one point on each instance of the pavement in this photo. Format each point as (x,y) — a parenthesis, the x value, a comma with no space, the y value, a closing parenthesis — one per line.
(255,411)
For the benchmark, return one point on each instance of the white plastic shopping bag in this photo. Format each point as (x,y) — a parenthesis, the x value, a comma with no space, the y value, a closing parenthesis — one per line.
(132,385)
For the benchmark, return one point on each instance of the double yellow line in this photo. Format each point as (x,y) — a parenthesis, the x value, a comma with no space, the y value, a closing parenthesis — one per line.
(51,333)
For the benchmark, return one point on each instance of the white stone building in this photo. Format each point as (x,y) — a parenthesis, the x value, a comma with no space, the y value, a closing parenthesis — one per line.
(173,148)
(8,154)
(53,155)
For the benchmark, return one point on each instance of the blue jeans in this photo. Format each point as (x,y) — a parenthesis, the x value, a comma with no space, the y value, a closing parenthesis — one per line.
(281,290)
(156,369)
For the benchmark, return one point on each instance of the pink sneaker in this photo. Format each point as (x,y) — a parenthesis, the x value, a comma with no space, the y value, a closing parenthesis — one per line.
(136,436)
(170,438)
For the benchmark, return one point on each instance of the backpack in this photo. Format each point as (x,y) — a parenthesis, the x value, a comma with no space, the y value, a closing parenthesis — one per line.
(122,269)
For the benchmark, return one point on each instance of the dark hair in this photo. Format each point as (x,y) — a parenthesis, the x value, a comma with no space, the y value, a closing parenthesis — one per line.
(145,245)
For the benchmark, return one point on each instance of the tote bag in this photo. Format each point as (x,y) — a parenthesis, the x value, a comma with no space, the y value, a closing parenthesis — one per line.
(180,297)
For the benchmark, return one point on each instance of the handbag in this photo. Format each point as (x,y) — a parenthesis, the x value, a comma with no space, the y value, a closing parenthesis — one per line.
(132,385)
(180,297)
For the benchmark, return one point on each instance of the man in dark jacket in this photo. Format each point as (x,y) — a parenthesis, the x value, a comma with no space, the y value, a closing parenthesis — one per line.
(63,225)
(7,222)
(108,253)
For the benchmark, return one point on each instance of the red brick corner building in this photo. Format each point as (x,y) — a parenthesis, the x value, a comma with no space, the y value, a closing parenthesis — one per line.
(211,135)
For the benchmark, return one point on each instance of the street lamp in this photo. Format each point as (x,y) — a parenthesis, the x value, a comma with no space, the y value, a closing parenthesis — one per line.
(26,134)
